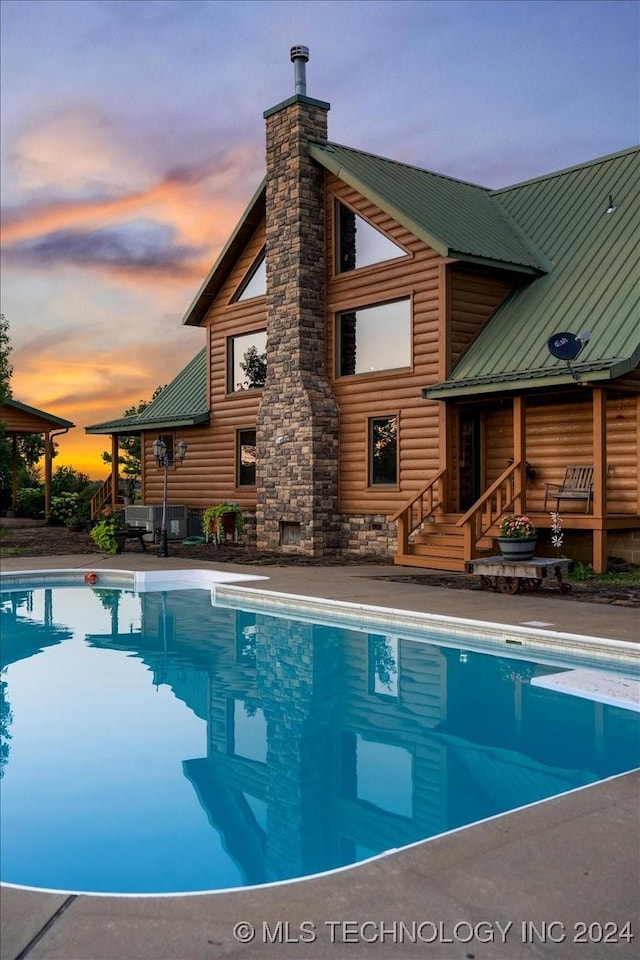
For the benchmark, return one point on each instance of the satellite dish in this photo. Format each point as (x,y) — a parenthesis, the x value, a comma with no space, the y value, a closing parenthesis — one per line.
(565,346)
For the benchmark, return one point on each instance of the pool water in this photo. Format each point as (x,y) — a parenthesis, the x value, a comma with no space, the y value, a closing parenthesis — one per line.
(156,743)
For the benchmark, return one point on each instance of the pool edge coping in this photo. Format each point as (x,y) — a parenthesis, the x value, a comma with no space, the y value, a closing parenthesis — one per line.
(519,641)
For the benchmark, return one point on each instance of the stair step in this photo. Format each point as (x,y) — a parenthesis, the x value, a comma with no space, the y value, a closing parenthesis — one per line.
(436,549)
(430,563)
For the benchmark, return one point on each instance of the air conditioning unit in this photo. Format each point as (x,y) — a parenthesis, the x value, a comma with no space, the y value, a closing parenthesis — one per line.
(150,518)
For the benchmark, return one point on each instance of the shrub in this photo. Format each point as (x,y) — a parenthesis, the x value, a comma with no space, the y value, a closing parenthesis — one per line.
(30,502)
(103,533)
(68,509)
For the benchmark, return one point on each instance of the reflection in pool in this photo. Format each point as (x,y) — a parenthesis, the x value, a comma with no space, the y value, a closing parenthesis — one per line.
(154,743)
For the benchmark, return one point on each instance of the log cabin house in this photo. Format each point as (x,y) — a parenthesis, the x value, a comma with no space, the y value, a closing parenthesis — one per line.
(378,375)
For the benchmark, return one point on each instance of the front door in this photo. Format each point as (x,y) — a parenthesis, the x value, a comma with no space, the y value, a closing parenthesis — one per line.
(470,459)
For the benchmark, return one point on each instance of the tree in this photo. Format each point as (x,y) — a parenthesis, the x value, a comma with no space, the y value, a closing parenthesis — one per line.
(30,448)
(68,480)
(254,366)
(5,392)
(6,370)
(130,449)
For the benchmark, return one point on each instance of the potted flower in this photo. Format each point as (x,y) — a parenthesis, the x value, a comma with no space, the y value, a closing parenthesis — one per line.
(223,520)
(518,537)
(103,533)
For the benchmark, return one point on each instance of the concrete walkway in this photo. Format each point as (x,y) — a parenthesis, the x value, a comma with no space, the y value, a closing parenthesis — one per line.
(558,879)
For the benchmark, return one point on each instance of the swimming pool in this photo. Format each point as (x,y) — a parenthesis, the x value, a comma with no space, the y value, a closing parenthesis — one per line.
(182,740)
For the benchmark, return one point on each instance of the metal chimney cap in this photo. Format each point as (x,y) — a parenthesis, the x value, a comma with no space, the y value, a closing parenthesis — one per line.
(300,53)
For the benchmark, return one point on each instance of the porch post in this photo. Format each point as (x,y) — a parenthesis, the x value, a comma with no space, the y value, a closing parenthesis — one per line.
(47,475)
(444,418)
(14,472)
(599,479)
(520,454)
(114,470)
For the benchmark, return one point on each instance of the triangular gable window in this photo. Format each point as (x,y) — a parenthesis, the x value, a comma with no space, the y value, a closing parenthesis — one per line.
(255,283)
(360,244)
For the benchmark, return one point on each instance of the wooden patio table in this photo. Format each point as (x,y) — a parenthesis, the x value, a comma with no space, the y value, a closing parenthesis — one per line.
(508,576)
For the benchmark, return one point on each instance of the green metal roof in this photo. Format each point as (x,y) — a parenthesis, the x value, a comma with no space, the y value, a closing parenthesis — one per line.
(182,403)
(457,219)
(593,283)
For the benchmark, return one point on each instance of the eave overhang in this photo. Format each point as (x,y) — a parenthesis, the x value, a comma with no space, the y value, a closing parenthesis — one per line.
(134,426)
(582,373)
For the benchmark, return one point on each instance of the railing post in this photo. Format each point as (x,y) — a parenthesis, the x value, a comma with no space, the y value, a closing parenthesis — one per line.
(403,532)
(520,454)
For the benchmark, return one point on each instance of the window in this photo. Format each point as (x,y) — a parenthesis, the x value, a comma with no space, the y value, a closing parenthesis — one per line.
(374,338)
(377,773)
(246,458)
(247,361)
(383,450)
(360,244)
(247,730)
(384,776)
(383,666)
(255,283)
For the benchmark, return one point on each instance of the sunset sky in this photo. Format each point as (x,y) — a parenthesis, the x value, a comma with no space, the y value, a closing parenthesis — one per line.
(133,137)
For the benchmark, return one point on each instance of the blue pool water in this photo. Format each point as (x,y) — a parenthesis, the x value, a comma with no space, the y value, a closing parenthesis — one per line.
(154,743)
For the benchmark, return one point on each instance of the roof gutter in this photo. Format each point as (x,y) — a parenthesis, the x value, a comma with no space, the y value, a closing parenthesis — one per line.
(502,386)
(135,429)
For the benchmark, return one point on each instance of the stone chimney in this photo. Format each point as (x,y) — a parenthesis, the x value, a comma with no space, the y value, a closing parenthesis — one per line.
(297,425)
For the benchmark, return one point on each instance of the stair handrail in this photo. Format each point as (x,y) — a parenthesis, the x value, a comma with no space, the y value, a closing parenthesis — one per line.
(101,497)
(423,497)
(484,514)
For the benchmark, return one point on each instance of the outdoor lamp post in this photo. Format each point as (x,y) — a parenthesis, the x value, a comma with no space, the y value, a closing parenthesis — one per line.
(164,460)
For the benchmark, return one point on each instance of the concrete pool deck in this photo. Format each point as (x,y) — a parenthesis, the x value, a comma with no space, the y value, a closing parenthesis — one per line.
(558,879)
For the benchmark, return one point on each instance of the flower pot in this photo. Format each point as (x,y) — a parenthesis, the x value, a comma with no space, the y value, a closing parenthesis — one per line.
(512,548)
(229,524)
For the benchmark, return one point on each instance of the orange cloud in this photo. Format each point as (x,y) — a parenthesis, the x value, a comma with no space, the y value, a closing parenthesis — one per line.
(88,392)
(95,331)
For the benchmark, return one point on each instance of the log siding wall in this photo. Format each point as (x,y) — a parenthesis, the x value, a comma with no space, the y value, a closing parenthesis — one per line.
(386,393)
(474,299)
(208,473)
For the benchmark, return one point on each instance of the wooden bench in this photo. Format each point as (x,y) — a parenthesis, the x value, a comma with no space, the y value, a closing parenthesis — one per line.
(131,533)
(577,485)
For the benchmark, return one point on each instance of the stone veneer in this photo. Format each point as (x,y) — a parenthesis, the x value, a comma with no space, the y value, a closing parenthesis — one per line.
(297,424)
(368,534)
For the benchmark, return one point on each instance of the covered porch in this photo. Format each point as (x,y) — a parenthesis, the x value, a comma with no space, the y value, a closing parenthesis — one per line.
(455,517)
(19,420)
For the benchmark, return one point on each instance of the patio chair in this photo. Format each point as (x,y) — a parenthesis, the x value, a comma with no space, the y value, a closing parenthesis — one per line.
(577,485)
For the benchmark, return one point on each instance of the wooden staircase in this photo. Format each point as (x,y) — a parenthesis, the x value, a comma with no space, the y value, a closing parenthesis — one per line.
(440,545)
(102,498)
(429,537)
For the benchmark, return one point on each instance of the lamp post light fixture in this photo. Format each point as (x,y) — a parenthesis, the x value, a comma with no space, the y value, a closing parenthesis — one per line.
(164,460)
